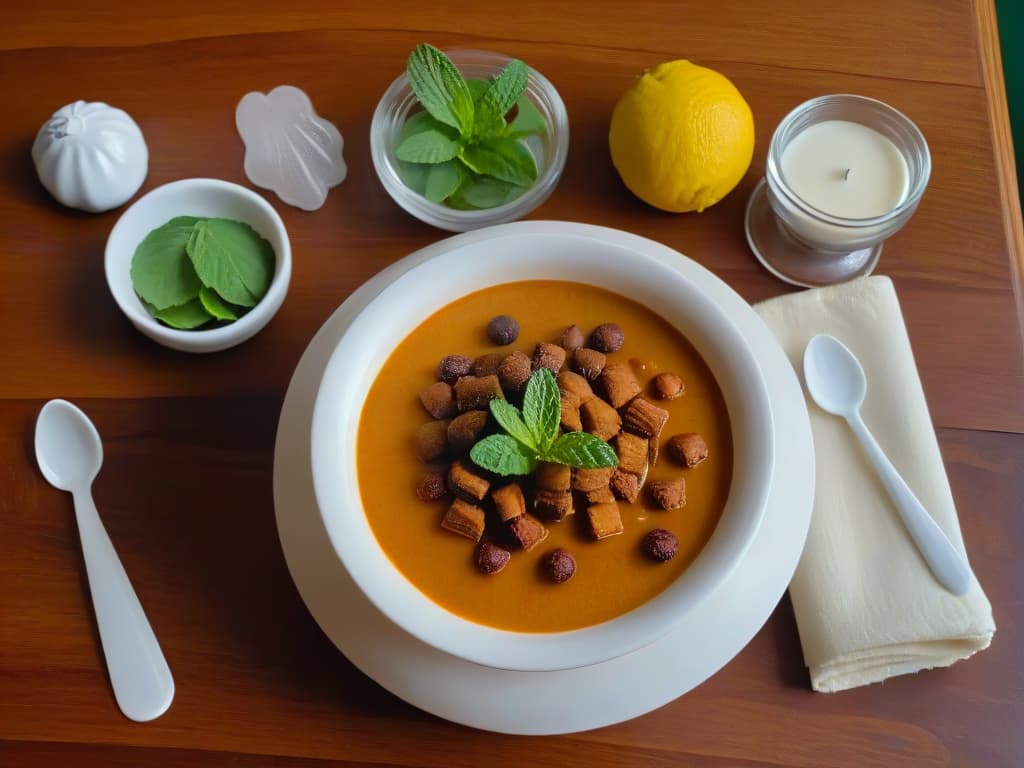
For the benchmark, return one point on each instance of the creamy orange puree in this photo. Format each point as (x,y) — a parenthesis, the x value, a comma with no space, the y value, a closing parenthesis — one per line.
(612,576)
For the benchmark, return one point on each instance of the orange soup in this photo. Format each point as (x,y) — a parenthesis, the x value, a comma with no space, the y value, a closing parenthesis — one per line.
(613,575)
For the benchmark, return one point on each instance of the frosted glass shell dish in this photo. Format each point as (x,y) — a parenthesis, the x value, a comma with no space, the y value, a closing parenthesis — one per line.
(91,156)
(289,148)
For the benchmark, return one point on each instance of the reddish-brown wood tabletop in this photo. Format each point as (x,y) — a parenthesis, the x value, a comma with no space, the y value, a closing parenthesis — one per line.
(185,491)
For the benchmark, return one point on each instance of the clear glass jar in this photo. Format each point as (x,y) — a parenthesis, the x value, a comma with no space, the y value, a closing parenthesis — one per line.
(807,246)
(549,150)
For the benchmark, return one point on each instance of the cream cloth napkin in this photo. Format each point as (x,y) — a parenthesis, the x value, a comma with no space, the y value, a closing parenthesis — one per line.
(866,604)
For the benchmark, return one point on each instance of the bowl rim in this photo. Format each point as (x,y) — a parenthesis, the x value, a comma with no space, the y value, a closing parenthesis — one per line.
(454,219)
(384,585)
(211,339)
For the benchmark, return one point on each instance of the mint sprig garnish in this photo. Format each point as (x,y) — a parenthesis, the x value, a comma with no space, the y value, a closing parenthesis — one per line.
(462,150)
(532,436)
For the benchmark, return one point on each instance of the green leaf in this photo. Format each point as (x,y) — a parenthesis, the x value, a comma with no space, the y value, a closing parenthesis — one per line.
(185,317)
(509,418)
(440,88)
(232,259)
(527,122)
(503,456)
(423,121)
(542,408)
(215,305)
(414,176)
(504,158)
(443,179)
(477,89)
(503,92)
(489,192)
(161,272)
(581,450)
(427,146)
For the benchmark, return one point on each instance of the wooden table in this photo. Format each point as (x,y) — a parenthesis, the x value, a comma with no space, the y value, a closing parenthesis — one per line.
(186,488)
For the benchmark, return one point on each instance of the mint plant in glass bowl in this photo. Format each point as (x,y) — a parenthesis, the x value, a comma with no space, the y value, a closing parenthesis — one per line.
(469,138)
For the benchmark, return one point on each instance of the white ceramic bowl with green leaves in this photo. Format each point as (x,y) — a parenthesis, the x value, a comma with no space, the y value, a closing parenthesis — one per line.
(204,199)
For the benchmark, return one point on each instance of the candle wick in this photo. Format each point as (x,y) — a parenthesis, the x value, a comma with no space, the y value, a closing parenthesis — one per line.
(846,174)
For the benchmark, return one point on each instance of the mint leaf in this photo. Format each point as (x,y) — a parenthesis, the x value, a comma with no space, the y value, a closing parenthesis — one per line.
(414,176)
(440,88)
(161,272)
(581,450)
(542,408)
(421,121)
(428,146)
(527,122)
(215,305)
(504,158)
(503,92)
(488,192)
(508,417)
(232,259)
(503,456)
(443,180)
(189,315)
(477,89)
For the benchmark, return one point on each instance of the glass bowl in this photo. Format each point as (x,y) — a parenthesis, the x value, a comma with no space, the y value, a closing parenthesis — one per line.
(549,149)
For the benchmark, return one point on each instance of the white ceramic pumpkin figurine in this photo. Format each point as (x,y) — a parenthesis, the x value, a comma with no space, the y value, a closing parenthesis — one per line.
(91,156)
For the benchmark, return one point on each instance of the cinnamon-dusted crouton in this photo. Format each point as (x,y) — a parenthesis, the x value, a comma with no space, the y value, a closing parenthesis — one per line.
(604,519)
(632,453)
(619,384)
(430,441)
(475,392)
(527,531)
(570,416)
(591,479)
(439,400)
(600,419)
(599,495)
(668,494)
(625,485)
(644,418)
(550,356)
(552,505)
(553,477)
(509,502)
(689,448)
(464,519)
(487,364)
(465,430)
(588,363)
(572,382)
(465,482)
(514,371)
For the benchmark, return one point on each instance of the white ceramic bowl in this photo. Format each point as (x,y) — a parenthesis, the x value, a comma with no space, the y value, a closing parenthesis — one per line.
(525,255)
(196,197)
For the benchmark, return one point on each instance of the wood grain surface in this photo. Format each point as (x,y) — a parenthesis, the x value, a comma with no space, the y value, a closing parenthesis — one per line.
(186,488)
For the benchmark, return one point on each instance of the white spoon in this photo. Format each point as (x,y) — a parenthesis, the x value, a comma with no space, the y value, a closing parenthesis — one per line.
(837,383)
(70,453)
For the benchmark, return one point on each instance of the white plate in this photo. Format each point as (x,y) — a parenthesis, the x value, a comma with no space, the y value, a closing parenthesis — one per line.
(574,699)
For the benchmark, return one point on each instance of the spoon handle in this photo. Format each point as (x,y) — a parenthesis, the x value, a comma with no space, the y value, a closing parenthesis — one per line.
(142,681)
(948,565)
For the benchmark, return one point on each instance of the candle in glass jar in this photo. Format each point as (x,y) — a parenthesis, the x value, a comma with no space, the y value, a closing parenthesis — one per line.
(845,169)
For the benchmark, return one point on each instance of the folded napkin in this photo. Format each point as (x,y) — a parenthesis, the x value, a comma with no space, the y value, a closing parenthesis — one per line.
(867,606)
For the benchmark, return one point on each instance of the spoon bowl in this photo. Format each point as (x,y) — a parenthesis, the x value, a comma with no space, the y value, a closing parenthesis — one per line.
(68,447)
(834,376)
(836,381)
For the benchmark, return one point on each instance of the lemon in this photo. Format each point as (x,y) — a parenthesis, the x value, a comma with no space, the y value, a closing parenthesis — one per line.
(681,137)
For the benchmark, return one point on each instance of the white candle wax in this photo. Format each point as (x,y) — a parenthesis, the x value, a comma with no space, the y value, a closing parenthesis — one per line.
(844,169)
